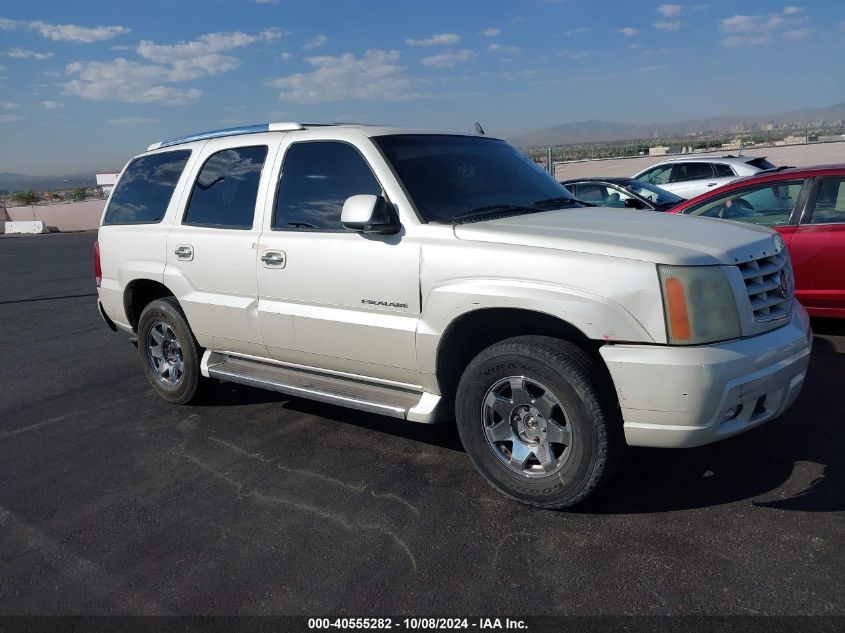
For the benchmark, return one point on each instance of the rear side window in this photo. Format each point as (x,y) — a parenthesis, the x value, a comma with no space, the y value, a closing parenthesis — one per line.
(226,189)
(830,201)
(145,188)
(691,171)
(723,171)
(317,178)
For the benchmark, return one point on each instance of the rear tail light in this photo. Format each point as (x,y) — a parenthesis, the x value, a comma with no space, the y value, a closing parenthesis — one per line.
(98,270)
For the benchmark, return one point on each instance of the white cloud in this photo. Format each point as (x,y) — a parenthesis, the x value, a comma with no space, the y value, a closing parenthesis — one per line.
(578,31)
(11,118)
(7,24)
(315,42)
(628,31)
(491,32)
(267,1)
(130,120)
(448,59)
(700,7)
(796,35)
(20,53)
(673,25)
(503,48)
(438,39)
(75,33)
(376,75)
(52,105)
(133,82)
(651,69)
(755,30)
(285,56)
(574,54)
(9,105)
(669,10)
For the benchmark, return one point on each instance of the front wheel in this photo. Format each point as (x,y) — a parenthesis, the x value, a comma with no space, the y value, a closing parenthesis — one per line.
(170,355)
(539,420)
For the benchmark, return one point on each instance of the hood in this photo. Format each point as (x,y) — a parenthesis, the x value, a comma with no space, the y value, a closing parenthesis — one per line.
(641,235)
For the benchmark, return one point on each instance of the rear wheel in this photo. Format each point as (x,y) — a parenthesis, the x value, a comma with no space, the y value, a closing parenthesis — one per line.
(169,353)
(539,420)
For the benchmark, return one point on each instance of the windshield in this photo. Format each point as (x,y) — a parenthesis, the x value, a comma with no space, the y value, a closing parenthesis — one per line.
(653,193)
(453,178)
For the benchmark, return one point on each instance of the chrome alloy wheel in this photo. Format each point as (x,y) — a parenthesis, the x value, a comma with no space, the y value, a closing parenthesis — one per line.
(165,354)
(526,426)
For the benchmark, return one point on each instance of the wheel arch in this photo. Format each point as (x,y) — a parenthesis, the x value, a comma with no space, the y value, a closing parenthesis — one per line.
(138,294)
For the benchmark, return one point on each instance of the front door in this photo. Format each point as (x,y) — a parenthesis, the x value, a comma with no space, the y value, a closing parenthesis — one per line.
(352,298)
(818,249)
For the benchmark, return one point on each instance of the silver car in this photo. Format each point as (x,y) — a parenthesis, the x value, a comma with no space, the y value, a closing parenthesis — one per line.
(690,177)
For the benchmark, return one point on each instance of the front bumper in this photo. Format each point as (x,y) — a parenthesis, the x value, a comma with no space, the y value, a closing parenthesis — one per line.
(689,396)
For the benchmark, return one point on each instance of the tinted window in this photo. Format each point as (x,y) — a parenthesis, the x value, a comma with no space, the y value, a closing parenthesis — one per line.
(830,202)
(691,171)
(316,180)
(601,195)
(723,171)
(145,188)
(770,204)
(657,175)
(450,175)
(226,189)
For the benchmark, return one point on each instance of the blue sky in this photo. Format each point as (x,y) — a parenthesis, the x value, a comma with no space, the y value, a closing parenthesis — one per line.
(88,84)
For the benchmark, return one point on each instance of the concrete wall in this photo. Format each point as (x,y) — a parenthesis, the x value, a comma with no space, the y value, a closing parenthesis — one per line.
(73,216)
(793,155)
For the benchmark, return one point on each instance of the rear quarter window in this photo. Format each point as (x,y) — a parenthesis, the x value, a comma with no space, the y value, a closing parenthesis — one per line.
(145,188)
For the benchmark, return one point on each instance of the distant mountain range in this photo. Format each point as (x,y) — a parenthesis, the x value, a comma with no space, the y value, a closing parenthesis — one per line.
(604,131)
(20,182)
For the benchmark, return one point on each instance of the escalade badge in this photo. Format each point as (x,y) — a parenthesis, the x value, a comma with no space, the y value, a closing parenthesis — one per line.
(783,289)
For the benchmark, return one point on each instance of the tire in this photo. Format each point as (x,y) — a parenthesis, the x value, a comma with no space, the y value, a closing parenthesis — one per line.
(539,420)
(169,353)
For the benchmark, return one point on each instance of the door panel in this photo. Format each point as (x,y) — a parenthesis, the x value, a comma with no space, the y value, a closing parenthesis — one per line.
(818,249)
(338,299)
(212,248)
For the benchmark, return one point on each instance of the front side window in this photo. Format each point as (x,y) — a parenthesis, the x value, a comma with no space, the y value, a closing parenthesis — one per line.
(657,175)
(226,189)
(769,204)
(316,180)
(830,201)
(145,188)
(691,171)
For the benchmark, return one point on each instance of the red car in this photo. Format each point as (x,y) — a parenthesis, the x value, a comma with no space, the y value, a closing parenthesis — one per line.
(806,206)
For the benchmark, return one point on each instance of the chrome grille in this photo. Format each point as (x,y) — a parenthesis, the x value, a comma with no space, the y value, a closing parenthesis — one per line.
(764,281)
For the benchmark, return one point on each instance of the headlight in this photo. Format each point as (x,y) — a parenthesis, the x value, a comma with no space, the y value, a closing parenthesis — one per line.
(699,305)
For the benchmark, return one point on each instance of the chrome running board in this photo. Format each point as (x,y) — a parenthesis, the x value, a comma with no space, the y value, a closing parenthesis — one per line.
(343,391)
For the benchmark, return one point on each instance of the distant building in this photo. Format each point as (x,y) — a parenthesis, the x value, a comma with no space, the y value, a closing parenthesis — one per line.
(107,181)
(794,139)
(734,144)
(658,150)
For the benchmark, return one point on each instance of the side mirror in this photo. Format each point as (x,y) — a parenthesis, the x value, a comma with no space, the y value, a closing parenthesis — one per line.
(368,214)
(634,203)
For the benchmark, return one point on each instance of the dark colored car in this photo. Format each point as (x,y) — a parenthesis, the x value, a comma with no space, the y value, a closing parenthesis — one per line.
(806,205)
(621,192)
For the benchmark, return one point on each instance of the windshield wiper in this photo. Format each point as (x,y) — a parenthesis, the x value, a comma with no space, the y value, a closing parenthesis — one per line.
(492,209)
(560,202)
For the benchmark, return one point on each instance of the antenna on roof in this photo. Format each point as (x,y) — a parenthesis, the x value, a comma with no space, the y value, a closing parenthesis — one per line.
(479,129)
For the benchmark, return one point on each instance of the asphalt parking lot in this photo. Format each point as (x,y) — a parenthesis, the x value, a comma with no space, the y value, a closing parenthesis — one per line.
(112,501)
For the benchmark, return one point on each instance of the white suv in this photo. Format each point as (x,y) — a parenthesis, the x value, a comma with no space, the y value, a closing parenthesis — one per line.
(690,177)
(437,276)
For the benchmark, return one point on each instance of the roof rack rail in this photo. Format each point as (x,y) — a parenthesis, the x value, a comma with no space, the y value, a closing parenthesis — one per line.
(230,131)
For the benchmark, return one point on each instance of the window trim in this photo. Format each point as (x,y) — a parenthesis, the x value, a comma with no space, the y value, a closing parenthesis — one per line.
(175,187)
(208,225)
(794,215)
(294,229)
(806,217)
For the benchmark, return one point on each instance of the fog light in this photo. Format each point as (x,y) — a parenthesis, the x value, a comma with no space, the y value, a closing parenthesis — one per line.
(731,413)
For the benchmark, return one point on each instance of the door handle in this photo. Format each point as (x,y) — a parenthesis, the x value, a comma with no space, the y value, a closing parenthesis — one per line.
(712,184)
(184,252)
(274,259)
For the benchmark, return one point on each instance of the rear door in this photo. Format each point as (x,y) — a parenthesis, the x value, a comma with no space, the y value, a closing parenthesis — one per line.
(212,247)
(818,249)
(692,179)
